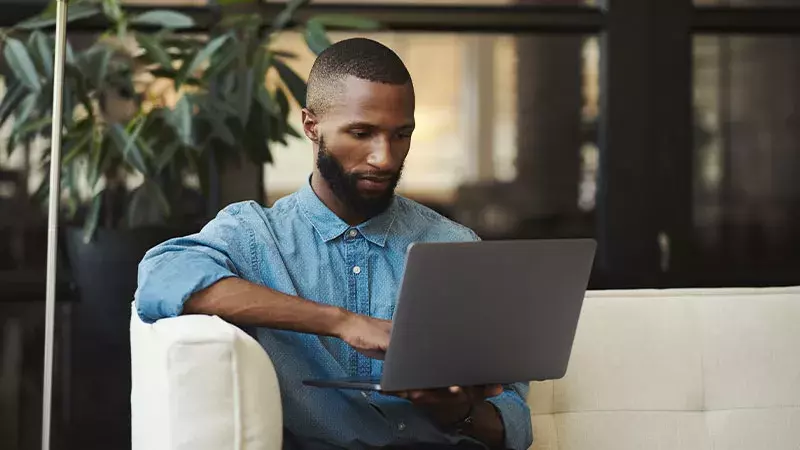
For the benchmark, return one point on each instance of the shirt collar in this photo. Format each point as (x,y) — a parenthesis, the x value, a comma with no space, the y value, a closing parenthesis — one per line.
(329,226)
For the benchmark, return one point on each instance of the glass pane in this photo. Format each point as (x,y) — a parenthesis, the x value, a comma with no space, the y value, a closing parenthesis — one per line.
(748,3)
(747,147)
(470,158)
(463,2)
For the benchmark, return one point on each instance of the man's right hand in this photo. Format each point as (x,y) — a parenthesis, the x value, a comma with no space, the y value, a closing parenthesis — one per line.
(369,336)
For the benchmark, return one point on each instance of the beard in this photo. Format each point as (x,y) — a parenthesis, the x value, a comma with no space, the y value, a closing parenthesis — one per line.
(345,185)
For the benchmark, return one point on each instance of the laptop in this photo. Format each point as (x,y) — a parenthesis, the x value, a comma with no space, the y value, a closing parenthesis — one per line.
(482,313)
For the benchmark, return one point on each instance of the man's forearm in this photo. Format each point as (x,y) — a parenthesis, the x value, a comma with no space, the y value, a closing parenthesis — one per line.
(487,426)
(245,303)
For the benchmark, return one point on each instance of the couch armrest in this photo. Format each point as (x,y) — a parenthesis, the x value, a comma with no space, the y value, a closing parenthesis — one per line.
(200,383)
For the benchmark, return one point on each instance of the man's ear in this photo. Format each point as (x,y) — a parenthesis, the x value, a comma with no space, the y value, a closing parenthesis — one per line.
(310,125)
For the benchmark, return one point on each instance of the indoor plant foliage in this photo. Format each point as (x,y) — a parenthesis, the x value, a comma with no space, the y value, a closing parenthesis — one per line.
(151,99)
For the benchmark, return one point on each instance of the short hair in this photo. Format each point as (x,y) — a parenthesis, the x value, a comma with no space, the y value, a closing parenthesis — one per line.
(362,58)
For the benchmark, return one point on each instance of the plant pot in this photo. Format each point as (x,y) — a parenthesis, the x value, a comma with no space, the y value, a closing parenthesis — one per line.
(105,274)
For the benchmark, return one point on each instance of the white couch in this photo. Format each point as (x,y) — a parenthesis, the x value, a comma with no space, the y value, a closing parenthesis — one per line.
(677,370)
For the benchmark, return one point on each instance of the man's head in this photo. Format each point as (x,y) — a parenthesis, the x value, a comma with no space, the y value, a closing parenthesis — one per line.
(360,116)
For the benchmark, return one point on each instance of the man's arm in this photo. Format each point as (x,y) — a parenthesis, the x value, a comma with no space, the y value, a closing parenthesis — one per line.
(246,303)
(206,273)
(513,409)
(500,418)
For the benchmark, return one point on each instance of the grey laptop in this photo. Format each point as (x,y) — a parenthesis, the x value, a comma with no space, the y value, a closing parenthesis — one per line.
(476,313)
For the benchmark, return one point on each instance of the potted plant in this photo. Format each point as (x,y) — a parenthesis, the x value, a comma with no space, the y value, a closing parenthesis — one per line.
(144,101)
(152,113)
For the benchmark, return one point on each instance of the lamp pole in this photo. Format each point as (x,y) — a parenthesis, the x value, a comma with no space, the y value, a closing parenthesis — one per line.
(52,217)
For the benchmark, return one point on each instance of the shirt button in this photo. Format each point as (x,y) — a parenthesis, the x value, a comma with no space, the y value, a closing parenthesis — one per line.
(352,233)
(356,270)
(401,426)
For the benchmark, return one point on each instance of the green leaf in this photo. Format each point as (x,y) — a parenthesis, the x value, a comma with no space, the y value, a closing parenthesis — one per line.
(25,111)
(48,18)
(171,74)
(164,18)
(70,185)
(14,96)
(346,21)
(93,65)
(140,209)
(154,49)
(292,132)
(222,61)
(35,126)
(284,54)
(263,97)
(127,146)
(99,153)
(283,104)
(244,93)
(316,37)
(113,10)
(166,156)
(181,120)
(285,16)
(292,81)
(221,131)
(256,136)
(190,66)
(69,58)
(43,48)
(93,218)
(234,2)
(21,64)
(77,148)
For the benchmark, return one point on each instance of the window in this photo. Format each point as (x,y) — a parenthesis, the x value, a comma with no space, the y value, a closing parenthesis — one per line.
(746,151)
(468,160)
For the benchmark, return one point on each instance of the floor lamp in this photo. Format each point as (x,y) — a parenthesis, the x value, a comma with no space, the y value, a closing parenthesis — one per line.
(52,218)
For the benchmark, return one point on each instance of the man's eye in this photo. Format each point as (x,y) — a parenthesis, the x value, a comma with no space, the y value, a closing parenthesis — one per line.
(359,134)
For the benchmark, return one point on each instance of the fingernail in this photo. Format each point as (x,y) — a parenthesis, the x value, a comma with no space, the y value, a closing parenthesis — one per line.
(454,389)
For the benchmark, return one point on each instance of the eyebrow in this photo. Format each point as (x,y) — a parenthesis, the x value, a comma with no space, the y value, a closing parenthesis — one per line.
(408,126)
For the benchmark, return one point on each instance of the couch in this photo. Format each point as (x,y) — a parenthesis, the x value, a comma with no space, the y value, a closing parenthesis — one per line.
(677,369)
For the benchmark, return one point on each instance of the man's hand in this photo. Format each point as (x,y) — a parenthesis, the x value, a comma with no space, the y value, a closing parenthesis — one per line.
(449,406)
(369,336)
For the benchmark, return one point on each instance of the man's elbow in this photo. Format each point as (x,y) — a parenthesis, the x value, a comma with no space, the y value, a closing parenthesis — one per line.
(153,299)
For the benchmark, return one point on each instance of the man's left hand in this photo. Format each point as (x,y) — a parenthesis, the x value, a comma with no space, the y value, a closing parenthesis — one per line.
(451,405)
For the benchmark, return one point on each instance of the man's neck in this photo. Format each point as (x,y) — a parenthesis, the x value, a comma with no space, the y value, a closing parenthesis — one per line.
(323,191)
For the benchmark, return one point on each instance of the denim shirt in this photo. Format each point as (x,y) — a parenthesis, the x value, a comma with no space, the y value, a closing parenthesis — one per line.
(300,247)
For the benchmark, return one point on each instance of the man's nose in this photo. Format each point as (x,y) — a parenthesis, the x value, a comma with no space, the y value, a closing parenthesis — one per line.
(380,155)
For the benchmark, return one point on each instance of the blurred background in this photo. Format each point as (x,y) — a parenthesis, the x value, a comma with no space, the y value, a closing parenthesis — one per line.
(668,130)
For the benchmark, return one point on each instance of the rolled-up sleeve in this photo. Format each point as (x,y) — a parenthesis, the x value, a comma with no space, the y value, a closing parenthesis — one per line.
(516,416)
(174,270)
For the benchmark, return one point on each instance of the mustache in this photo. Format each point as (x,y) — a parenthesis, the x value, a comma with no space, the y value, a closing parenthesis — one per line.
(376,176)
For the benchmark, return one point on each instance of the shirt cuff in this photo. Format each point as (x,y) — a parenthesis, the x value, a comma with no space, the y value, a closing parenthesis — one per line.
(516,417)
(172,283)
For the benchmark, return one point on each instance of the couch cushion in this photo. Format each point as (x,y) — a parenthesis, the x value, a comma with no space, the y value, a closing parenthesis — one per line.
(748,429)
(633,353)
(750,346)
(677,369)
(199,383)
(632,431)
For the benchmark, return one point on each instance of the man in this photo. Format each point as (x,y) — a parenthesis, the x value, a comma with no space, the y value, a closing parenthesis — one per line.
(318,273)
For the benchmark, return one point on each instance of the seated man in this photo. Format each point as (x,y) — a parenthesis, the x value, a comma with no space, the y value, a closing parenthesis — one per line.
(317,274)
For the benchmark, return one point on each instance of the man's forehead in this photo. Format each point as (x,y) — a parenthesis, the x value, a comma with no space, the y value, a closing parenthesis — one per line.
(358,94)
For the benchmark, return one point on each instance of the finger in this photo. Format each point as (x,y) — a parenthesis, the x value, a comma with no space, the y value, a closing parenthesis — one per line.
(455,389)
(493,390)
(417,395)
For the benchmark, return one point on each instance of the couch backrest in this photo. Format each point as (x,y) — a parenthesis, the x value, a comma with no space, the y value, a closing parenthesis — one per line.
(199,383)
(686,369)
